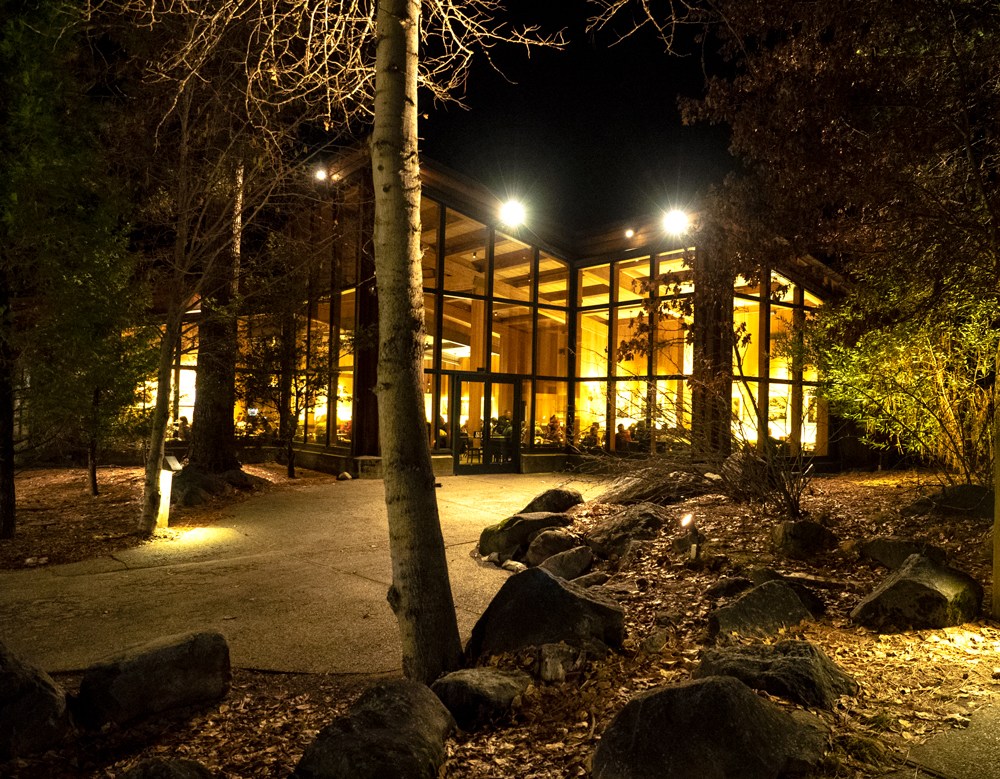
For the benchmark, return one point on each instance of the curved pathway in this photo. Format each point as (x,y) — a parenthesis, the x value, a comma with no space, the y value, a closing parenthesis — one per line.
(296,579)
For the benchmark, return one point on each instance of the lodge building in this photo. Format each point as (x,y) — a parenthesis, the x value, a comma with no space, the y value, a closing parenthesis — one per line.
(541,345)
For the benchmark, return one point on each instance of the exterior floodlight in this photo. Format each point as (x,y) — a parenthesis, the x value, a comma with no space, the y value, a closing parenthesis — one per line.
(512,213)
(320,174)
(629,233)
(676,222)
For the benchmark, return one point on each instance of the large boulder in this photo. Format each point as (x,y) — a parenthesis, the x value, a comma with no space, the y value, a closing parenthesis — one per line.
(556,500)
(655,485)
(395,729)
(512,536)
(191,669)
(764,611)
(534,608)
(893,551)
(33,714)
(921,594)
(569,564)
(803,539)
(548,543)
(794,670)
(612,536)
(712,728)
(478,696)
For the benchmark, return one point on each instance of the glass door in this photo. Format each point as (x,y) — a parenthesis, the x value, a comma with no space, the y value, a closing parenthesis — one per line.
(486,412)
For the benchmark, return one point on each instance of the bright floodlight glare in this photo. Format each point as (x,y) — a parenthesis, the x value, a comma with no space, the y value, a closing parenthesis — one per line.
(629,233)
(676,222)
(512,213)
(320,174)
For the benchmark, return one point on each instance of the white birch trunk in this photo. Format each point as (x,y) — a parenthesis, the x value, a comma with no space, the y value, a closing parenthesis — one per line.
(421,592)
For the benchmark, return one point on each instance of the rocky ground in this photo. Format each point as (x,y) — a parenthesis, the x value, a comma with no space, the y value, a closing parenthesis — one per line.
(913,684)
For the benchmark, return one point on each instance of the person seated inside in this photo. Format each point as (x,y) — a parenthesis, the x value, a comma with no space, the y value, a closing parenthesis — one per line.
(592,439)
(621,439)
(554,431)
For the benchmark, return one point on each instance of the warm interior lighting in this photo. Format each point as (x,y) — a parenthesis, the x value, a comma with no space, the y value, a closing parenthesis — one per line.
(512,213)
(676,222)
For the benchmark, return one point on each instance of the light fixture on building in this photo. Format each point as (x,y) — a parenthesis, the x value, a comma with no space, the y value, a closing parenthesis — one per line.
(320,174)
(676,222)
(629,233)
(512,213)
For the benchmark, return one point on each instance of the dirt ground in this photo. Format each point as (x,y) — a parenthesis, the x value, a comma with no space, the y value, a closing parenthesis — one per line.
(913,684)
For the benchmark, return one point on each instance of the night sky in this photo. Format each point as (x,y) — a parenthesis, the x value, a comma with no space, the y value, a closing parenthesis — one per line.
(587,136)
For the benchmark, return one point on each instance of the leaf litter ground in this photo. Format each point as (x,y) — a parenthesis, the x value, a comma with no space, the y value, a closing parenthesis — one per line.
(913,684)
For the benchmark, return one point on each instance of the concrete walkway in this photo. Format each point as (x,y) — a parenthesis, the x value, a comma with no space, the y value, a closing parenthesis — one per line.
(296,580)
(960,753)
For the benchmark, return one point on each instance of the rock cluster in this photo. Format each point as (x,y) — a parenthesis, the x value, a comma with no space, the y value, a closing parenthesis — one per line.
(171,673)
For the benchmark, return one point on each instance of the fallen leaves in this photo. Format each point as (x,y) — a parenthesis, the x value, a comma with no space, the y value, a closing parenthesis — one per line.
(913,684)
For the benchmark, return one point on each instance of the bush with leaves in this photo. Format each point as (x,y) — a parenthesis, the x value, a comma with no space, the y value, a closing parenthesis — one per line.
(924,384)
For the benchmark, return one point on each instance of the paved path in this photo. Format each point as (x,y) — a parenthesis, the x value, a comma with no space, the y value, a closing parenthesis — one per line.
(296,580)
(960,753)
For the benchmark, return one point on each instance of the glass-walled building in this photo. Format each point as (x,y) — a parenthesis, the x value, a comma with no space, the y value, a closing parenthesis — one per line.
(540,345)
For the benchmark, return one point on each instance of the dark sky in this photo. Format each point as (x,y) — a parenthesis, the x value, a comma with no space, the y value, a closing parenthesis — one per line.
(587,136)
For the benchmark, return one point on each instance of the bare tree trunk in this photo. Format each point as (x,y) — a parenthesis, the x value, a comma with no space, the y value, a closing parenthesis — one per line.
(95,404)
(158,432)
(287,407)
(420,594)
(996,508)
(8,502)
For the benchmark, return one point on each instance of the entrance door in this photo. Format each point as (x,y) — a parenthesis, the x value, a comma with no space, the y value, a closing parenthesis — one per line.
(487,413)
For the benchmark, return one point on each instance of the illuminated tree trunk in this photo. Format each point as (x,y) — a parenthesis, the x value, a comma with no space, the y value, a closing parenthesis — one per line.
(420,594)
(158,432)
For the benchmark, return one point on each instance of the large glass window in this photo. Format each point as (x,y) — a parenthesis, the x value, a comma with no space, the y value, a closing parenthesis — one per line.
(553,281)
(674,275)
(316,378)
(746,323)
(673,353)
(430,330)
(465,255)
(463,337)
(511,339)
(744,421)
(513,262)
(632,278)
(550,414)
(592,414)
(592,344)
(632,403)
(552,343)
(430,219)
(631,341)
(671,411)
(594,286)
(347,344)
(783,349)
